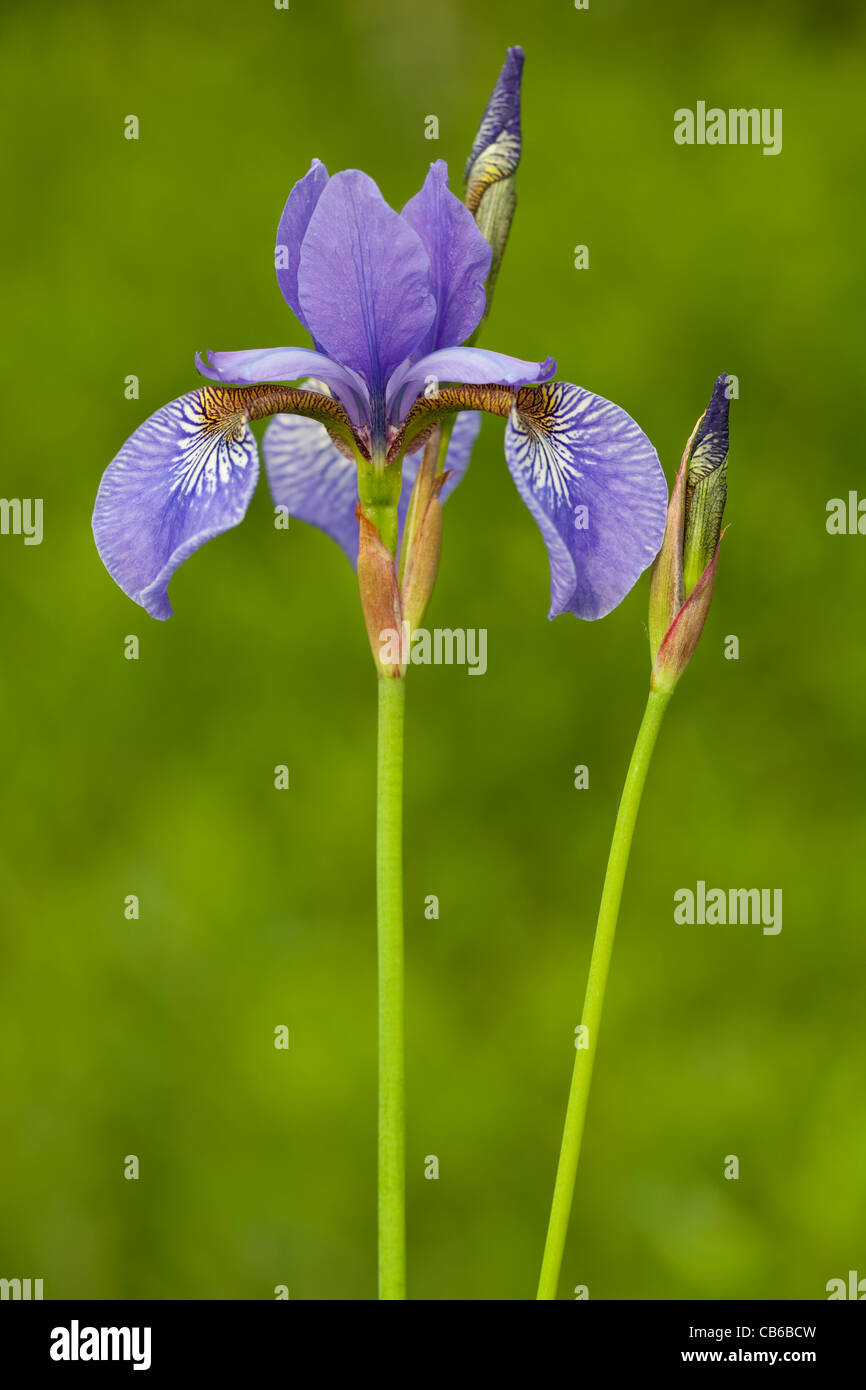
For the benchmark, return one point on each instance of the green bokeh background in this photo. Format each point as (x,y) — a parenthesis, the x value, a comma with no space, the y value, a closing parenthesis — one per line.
(155,777)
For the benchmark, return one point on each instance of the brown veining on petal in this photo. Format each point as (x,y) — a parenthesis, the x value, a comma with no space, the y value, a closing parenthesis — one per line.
(427,410)
(222,405)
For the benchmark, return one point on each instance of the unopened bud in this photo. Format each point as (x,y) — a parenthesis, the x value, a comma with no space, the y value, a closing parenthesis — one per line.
(422,565)
(380,598)
(681,639)
(706,487)
(684,571)
(422,535)
(493,161)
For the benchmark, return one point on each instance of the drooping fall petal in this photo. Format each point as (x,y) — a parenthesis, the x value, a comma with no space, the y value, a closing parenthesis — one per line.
(309,476)
(593,482)
(185,476)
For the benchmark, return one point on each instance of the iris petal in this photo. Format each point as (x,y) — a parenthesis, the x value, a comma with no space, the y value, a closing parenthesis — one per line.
(309,476)
(459,259)
(185,476)
(470,366)
(364,279)
(593,483)
(299,208)
(252,365)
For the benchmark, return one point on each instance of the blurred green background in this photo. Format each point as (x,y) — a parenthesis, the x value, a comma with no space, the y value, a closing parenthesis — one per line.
(155,777)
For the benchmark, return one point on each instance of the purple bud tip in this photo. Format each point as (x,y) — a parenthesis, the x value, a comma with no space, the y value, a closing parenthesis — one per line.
(713,430)
(501,120)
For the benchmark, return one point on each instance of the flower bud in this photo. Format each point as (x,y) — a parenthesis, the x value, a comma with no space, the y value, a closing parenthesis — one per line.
(706,487)
(493,161)
(679,642)
(684,571)
(422,534)
(380,598)
(422,564)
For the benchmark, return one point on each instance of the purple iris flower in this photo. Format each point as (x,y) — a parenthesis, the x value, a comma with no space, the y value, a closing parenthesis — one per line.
(389,299)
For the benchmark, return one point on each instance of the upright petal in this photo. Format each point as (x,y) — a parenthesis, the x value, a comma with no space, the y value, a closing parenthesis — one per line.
(459,259)
(186,475)
(470,366)
(364,279)
(308,475)
(593,482)
(299,208)
(252,365)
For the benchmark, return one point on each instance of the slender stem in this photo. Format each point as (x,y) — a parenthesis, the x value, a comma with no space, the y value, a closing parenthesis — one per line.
(602,949)
(389,894)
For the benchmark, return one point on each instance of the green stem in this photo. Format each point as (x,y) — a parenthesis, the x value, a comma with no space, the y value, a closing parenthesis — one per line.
(584,1057)
(389,895)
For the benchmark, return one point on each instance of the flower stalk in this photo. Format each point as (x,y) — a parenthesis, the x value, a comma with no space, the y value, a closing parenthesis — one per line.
(390,956)
(593,1004)
(676,619)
